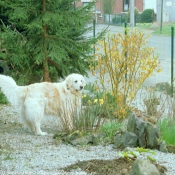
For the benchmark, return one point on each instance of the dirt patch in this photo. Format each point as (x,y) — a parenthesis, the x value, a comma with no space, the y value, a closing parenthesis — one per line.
(171,148)
(105,167)
(108,167)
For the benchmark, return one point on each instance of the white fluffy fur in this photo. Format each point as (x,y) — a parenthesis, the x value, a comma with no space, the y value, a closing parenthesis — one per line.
(42,99)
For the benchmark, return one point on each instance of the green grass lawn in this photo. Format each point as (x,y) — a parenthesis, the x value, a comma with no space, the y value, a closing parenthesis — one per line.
(143,25)
(166,30)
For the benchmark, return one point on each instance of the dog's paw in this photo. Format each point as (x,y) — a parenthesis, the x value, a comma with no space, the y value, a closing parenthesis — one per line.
(42,133)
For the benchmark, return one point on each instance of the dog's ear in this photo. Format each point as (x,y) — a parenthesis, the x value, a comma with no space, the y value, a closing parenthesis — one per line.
(68,81)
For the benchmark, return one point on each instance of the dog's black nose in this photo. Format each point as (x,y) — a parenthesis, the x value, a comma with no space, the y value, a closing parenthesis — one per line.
(81,87)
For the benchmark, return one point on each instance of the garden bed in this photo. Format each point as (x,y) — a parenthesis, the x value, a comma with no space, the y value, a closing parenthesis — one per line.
(22,152)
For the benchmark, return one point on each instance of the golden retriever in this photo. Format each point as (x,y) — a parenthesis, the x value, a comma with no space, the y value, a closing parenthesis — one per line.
(42,99)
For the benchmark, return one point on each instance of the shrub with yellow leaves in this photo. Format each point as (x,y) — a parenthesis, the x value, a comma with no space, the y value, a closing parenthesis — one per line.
(122,63)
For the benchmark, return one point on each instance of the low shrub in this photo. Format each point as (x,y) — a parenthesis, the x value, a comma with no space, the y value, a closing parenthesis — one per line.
(119,19)
(147,16)
(121,65)
(116,20)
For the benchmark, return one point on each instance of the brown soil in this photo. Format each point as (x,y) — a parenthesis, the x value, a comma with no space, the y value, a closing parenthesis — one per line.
(171,148)
(108,167)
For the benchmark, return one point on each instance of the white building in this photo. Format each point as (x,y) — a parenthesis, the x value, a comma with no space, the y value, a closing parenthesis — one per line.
(168,10)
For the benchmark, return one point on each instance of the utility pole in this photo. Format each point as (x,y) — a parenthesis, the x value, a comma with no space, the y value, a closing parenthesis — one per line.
(161,20)
(132,14)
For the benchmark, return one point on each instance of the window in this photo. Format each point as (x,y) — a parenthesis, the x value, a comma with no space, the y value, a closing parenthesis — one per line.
(125,5)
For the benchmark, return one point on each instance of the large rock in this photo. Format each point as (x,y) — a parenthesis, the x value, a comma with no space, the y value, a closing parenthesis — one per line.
(152,135)
(147,133)
(144,167)
(85,140)
(137,126)
(80,141)
(162,147)
(124,139)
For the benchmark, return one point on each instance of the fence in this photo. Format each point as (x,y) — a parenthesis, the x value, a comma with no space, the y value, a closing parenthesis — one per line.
(120,19)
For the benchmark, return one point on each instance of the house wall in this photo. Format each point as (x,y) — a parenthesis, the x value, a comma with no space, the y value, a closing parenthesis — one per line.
(139,5)
(168,10)
(117,8)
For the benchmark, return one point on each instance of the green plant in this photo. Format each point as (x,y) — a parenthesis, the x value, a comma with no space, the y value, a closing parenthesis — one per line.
(143,150)
(129,154)
(90,119)
(93,96)
(118,20)
(96,110)
(100,101)
(3,99)
(147,16)
(135,153)
(167,130)
(90,87)
(110,129)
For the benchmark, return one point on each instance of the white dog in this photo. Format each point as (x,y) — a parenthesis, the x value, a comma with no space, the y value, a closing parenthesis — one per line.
(41,99)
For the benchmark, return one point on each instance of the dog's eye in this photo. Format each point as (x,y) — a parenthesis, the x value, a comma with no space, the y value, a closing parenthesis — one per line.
(76,81)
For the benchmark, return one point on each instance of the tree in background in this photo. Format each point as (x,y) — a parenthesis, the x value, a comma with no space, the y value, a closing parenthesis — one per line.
(45,38)
(108,6)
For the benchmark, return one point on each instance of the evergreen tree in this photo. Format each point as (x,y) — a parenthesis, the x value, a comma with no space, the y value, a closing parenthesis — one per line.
(46,37)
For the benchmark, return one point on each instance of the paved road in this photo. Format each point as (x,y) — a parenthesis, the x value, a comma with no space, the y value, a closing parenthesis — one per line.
(163,48)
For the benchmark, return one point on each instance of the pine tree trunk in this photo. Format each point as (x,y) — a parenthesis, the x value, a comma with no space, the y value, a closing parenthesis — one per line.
(46,76)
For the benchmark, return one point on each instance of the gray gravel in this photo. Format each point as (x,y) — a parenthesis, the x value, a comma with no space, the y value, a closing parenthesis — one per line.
(24,153)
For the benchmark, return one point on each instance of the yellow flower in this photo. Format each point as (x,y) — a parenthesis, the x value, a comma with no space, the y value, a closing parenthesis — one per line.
(95,100)
(101,101)
(84,96)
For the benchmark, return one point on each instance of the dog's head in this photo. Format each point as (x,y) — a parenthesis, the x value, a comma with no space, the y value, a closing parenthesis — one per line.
(75,82)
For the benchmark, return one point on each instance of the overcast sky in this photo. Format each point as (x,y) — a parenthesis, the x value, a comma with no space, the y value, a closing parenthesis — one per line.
(150,4)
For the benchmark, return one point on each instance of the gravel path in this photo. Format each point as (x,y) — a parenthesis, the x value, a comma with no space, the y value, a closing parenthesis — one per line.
(24,153)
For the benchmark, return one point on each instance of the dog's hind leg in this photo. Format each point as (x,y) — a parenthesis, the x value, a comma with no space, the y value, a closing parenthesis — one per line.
(34,112)
(27,124)
(36,128)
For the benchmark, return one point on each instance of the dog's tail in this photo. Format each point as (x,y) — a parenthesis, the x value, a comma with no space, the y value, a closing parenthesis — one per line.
(9,88)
